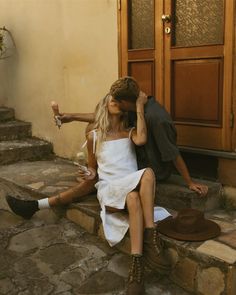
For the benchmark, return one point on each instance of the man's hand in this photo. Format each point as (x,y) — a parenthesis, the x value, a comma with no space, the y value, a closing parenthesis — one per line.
(201,189)
(65,118)
(180,165)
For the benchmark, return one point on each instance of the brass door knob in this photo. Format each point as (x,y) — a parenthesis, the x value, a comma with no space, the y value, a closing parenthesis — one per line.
(166,18)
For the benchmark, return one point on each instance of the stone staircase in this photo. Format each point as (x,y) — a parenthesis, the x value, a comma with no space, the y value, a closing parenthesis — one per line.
(207,267)
(16,142)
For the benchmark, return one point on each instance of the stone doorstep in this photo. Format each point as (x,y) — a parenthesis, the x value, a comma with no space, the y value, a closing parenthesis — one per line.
(173,194)
(229,197)
(177,196)
(207,267)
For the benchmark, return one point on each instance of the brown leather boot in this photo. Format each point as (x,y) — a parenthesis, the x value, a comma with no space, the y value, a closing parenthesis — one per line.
(135,284)
(154,254)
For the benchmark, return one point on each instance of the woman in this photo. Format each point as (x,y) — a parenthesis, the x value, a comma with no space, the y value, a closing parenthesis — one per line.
(122,186)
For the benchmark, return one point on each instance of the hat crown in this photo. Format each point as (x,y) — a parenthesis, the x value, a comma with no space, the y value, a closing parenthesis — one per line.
(189,221)
(189,225)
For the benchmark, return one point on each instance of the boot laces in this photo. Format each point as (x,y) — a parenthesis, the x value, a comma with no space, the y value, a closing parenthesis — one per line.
(135,272)
(157,242)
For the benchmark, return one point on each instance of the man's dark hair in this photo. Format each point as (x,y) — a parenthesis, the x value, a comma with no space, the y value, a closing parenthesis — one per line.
(125,88)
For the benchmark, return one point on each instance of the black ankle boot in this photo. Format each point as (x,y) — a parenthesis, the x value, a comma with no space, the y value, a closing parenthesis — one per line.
(25,209)
(154,254)
(135,284)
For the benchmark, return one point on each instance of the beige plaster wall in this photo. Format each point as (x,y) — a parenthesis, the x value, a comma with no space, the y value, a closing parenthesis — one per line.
(66,51)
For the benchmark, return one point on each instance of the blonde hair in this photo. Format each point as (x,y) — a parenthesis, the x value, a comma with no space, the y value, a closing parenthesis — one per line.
(102,121)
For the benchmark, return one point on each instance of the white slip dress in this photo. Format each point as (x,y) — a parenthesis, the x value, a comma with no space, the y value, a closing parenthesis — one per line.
(118,175)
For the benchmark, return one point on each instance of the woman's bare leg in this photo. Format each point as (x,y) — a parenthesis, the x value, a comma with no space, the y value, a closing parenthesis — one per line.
(73,194)
(154,256)
(147,195)
(135,222)
(135,283)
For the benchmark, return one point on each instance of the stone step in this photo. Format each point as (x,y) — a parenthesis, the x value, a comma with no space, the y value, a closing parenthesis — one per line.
(207,267)
(6,114)
(175,195)
(229,197)
(12,130)
(85,262)
(41,178)
(30,149)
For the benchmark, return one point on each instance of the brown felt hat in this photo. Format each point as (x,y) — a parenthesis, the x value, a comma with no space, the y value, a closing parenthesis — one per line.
(189,225)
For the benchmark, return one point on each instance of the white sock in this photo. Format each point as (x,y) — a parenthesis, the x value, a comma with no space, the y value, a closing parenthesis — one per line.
(43,204)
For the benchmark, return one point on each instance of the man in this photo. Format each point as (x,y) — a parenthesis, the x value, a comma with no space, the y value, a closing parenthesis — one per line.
(161,151)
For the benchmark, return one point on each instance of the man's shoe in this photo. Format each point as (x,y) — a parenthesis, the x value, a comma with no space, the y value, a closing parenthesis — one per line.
(25,209)
(135,284)
(154,254)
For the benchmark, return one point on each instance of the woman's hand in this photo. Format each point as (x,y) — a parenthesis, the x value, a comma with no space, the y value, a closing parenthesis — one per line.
(141,100)
(139,137)
(90,174)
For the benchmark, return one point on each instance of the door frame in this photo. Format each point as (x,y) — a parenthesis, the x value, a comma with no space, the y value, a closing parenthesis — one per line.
(227,53)
(162,69)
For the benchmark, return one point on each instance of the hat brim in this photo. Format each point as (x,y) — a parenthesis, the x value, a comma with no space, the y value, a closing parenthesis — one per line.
(210,230)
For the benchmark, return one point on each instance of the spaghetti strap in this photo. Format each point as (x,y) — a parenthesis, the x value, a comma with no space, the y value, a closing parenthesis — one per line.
(94,140)
(130,132)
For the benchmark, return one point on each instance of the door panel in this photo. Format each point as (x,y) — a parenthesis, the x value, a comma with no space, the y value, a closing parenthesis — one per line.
(138,41)
(197,92)
(194,72)
(144,72)
(181,51)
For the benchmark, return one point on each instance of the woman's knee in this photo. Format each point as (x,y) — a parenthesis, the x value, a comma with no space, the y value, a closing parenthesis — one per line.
(148,176)
(133,200)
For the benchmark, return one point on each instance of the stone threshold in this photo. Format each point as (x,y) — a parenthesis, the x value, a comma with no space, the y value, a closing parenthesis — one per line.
(214,153)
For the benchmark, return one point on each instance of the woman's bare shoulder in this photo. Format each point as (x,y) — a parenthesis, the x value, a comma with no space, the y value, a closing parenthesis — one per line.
(91,134)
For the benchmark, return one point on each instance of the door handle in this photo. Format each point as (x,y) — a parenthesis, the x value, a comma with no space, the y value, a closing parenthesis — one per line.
(166,18)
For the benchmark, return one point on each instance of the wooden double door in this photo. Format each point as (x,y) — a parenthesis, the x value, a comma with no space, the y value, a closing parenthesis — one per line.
(181,51)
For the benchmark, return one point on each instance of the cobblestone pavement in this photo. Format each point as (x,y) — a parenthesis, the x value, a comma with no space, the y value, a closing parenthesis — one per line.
(50,255)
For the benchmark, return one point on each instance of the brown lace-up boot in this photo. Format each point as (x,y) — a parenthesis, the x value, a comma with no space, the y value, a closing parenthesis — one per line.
(135,284)
(154,256)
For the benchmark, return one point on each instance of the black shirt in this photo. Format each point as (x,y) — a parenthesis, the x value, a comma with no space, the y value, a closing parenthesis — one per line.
(160,149)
